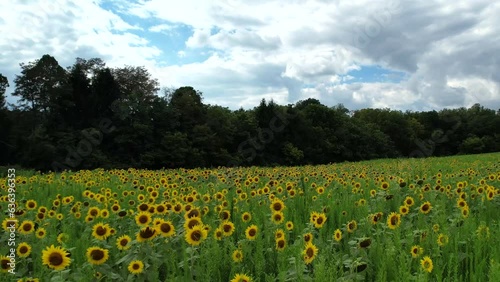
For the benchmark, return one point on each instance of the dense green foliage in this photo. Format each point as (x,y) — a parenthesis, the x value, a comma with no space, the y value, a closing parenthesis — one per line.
(89,116)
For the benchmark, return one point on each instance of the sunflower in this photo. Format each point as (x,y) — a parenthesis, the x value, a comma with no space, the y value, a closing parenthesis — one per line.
(483,231)
(426,264)
(394,220)
(278,217)
(166,229)
(365,243)
(465,211)
(56,258)
(403,210)
(123,242)
(31,204)
(224,215)
(104,213)
(490,194)
(237,256)
(9,223)
(93,211)
(251,232)
(101,231)
(195,235)
(277,205)
(146,233)
(241,278)
(97,256)
(337,235)
(384,185)
(23,250)
(26,227)
(5,265)
(352,226)
(426,207)
(435,227)
(320,220)
(442,239)
(246,217)
(279,233)
(461,203)
(135,267)
(227,228)
(62,238)
(289,225)
(218,234)
(98,275)
(280,244)
(309,253)
(40,232)
(143,218)
(416,251)
(409,201)
(313,216)
(308,237)
(376,217)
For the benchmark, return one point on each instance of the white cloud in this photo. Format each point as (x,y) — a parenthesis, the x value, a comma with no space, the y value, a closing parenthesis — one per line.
(162,28)
(286,50)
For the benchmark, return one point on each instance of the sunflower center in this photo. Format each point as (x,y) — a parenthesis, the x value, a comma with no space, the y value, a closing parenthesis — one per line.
(196,236)
(27,227)
(143,219)
(123,242)
(136,266)
(192,223)
(97,254)
(5,264)
(101,231)
(310,252)
(227,228)
(55,259)
(147,233)
(319,220)
(165,227)
(394,220)
(281,244)
(252,232)
(23,249)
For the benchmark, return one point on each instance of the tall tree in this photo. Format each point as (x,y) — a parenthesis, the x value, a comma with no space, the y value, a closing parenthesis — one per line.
(39,83)
(4,83)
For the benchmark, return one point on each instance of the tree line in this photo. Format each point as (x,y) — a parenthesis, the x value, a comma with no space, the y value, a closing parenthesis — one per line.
(89,115)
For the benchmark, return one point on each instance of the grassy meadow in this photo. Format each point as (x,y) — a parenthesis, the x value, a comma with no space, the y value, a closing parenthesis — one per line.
(434,219)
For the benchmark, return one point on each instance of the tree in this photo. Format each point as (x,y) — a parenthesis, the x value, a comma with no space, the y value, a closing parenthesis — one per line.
(4,83)
(188,107)
(39,83)
(136,80)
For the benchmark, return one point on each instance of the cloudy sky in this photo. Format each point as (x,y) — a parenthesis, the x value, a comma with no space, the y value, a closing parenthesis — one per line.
(407,55)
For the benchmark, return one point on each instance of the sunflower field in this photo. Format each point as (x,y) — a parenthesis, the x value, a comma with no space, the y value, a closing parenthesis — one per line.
(434,219)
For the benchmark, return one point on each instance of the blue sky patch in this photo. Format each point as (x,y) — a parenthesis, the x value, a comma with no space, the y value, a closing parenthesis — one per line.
(375,73)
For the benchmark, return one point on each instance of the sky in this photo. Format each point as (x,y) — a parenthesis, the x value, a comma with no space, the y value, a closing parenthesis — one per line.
(398,54)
